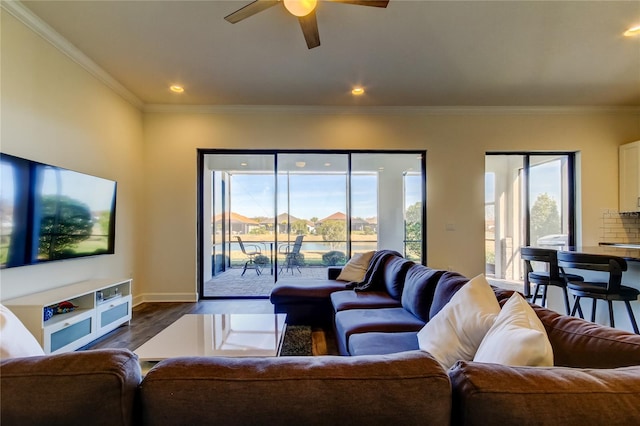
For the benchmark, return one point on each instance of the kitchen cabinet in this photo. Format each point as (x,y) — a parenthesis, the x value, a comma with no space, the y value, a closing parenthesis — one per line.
(629,175)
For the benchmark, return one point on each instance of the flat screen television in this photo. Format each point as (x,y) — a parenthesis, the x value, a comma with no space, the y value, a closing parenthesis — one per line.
(49,213)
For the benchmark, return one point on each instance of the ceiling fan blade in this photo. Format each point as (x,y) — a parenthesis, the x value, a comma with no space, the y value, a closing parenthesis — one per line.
(309,25)
(250,10)
(374,3)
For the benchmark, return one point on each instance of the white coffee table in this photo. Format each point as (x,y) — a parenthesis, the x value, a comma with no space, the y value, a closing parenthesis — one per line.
(230,335)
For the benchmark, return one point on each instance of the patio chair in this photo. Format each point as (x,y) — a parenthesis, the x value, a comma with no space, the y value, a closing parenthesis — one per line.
(254,250)
(293,257)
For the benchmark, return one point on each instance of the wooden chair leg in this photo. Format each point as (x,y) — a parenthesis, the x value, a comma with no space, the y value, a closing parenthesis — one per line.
(534,296)
(632,317)
(566,300)
(611,320)
(544,295)
(580,311)
(593,310)
(576,307)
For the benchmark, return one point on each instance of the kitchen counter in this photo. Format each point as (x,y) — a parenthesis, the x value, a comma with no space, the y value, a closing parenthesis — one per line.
(629,252)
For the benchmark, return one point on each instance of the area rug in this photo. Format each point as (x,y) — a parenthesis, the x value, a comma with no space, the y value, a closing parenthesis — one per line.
(297,341)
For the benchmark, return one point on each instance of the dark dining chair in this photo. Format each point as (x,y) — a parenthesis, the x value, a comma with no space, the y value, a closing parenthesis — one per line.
(251,251)
(548,275)
(610,290)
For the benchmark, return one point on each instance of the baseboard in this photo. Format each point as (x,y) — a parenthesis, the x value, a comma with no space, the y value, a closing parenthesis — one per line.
(165,297)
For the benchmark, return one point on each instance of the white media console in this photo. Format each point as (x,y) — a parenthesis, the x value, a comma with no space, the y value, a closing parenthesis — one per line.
(101,305)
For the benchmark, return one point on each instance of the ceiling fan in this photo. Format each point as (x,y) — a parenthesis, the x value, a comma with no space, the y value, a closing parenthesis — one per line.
(305,10)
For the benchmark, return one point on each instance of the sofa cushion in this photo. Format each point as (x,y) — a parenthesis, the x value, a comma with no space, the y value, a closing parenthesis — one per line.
(356,267)
(15,340)
(408,388)
(349,299)
(517,337)
(419,286)
(448,284)
(491,394)
(580,343)
(366,320)
(395,271)
(382,343)
(77,388)
(456,331)
(304,291)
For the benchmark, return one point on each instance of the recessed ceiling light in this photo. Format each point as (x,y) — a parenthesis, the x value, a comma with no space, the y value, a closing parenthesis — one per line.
(632,31)
(176,88)
(243,164)
(357,91)
(300,164)
(327,164)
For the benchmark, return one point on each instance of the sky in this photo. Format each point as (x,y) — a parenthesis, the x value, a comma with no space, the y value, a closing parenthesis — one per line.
(310,195)
(545,178)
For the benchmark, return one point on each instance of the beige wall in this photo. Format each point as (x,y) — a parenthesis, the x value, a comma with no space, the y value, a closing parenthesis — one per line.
(55,112)
(455,144)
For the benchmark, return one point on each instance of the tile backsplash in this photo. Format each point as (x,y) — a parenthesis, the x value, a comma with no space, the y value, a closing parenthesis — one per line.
(620,227)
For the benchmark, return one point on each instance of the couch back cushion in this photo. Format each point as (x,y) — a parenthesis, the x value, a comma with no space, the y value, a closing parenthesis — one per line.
(448,284)
(419,287)
(97,387)
(580,343)
(408,388)
(501,395)
(395,272)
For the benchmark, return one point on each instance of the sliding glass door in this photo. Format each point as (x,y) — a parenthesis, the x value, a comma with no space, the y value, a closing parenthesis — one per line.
(290,215)
(529,200)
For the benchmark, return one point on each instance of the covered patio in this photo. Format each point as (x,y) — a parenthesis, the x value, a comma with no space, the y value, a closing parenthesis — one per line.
(232,283)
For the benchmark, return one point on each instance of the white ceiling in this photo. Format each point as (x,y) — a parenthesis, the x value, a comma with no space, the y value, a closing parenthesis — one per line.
(413,53)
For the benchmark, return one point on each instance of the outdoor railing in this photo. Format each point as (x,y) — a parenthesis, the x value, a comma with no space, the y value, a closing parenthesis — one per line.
(313,253)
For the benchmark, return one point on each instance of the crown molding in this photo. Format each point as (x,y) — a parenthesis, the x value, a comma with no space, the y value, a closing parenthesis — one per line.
(391,110)
(37,25)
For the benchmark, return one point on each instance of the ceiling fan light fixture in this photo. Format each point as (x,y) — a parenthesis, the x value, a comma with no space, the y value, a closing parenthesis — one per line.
(632,31)
(300,7)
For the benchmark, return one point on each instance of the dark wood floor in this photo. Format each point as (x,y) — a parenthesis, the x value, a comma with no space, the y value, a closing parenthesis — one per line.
(150,318)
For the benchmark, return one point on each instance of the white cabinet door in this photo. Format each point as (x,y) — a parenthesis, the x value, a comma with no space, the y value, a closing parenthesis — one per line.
(629,164)
(113,313)
(70,333)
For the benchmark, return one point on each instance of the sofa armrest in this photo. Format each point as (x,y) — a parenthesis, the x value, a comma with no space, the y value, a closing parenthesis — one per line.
(77,388)
(407,388)
(333,272)
(491,394)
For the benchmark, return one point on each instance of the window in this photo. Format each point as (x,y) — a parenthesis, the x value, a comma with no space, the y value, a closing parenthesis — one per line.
(529,200)
(413,220)
(334,204)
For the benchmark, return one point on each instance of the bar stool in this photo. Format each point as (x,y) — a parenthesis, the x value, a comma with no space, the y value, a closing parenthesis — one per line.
(543,279)
(610,290)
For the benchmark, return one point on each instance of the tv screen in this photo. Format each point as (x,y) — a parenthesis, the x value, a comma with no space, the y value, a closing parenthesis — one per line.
(49,213)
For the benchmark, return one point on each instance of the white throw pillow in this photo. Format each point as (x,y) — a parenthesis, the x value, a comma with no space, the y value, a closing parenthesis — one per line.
(517,338)
(456,331)
(15,340)
(356,267)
